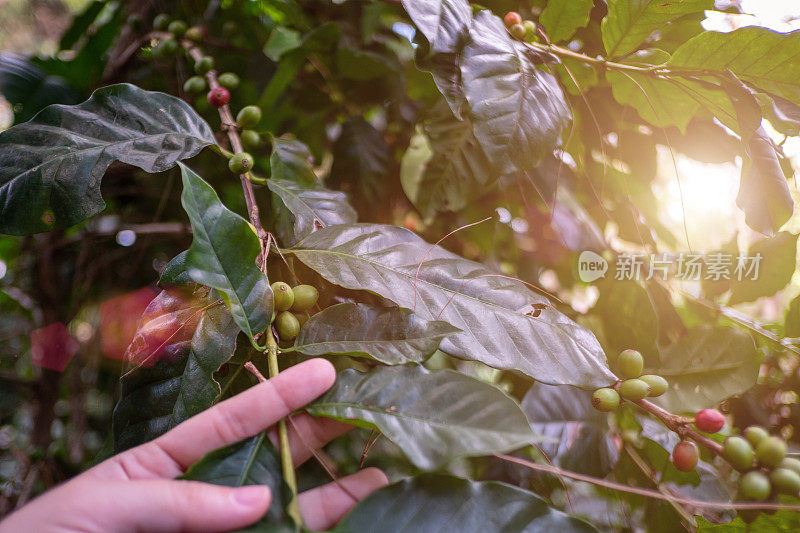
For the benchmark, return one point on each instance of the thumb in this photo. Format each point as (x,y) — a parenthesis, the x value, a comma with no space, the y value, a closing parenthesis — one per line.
(168,505)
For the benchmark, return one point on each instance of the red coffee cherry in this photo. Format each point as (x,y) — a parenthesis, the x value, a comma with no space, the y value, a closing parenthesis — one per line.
(511,18)
(709,420)
(684,456)
(219,96)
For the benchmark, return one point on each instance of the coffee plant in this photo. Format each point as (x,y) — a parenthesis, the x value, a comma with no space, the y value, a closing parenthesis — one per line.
(324,182)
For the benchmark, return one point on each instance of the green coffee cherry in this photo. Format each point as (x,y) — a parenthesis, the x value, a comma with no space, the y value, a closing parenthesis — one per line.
(195,34)
(177,28)
(658,385)
(518,31)
(305,296)
(204,65)
(195,84)
(302,318)
(771,451)
(791,463)
(634,389)
(605,399)
(161,22)
(283,294)
(241,163)
(287,325)
(250,139)
(229,80)
(165,48)
(249,116)
(738,452)
(785,481)
(530,31)
(755,434)
(755,486)
(630,364)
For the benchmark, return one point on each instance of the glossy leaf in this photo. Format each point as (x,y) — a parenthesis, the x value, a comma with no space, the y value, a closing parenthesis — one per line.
(361,160)
(581,437)
(710,364)
(562,18)
(29,89)
(253,461)
(53,165)
(445,167)
(763,192)
(758,56)
(309,208)
(777,257)
(518,110)
(440,502)
(290,161)
(434,417)
(390,335)
(171,359)
(223,255)
(492,312)
(445,24)
(175,272)
(630,22)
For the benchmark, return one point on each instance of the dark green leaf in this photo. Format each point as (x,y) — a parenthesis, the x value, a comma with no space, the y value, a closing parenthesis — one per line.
(223,255)
(630,22)
(29,89)
(172,359)
(309,208)
(361,160)
(434,417)
(175,272)
(705,367)
(390,335)
(581,438)
(53,165)
(778,262)
(439,502)
(361,65)
(518,110)
(80,24)
(763,192)
(758,56)
(445,167)
(253,461)
(562,17)
(492,311)
(290,160)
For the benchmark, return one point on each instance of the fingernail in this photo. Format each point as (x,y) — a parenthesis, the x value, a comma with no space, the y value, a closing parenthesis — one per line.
(250,496)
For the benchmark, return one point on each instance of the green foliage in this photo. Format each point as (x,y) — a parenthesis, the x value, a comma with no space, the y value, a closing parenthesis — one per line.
(458,415)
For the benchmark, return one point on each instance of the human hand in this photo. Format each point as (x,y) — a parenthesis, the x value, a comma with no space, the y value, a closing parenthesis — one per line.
(137,491)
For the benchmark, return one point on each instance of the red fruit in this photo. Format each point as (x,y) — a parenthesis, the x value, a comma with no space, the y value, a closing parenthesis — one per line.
(684,456)
(511,18)
(218,97)
(709,420)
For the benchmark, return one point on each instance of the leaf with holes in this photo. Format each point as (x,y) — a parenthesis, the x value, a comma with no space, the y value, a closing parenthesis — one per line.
(518,110)
(390,335)
(710,364)
(223,255)
(441,502)
(493,312)
(433,416)
(53,164)
(630,22)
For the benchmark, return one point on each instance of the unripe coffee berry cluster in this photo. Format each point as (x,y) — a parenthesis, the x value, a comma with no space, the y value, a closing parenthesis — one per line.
(291,306)
(524,30)
(634,386)
(761,458)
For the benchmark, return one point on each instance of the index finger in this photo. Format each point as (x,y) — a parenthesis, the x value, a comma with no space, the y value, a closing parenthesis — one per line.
(247,413)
